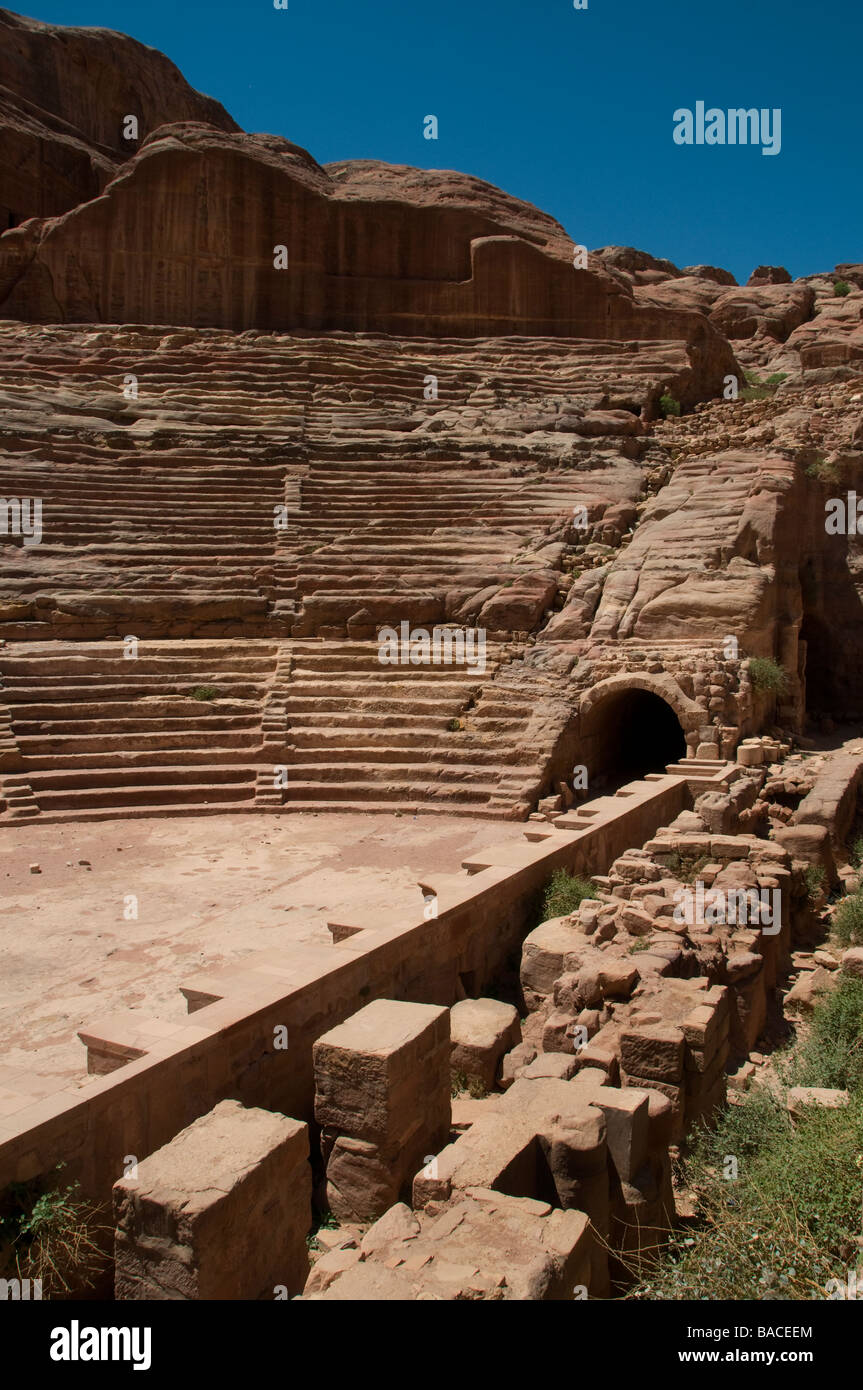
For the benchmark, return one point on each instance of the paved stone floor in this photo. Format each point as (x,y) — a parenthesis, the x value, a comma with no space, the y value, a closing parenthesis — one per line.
(209,891)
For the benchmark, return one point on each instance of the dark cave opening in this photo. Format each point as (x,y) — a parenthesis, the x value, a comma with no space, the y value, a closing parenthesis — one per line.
(822,694)
(629,734)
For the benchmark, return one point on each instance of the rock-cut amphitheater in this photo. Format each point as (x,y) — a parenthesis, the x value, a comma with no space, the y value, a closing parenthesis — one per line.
(270,930)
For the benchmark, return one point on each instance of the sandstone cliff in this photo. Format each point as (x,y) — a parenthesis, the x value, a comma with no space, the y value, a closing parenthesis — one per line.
(185,234)
(64,94)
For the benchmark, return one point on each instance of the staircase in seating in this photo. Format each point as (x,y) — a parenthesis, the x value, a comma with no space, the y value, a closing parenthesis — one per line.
(234,501)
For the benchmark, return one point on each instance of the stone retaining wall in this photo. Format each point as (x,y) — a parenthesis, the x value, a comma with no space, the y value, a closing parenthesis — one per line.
(233,1045)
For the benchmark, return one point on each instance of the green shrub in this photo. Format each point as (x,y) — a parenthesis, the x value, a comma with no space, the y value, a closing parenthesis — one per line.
(204,692)
(669,405)
(758,390)
(564,893)
(50,1234)
(788,1222)
(454,726)
(814,879)
(857,852)
(848,921)
(767,676)
(841,288)
(832,1054)
(822,470)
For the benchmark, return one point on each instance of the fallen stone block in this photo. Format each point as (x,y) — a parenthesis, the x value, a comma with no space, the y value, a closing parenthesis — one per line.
(549,951)
(220,1212)
(675,1095)
(514,1063)
(554,1065)
(803,996)
(484,1245)
(627,1117)
(562,1033)
(810,843)
(655,1050)
(852,962)
(481,1031)
(636,921)
(617,978)
(801,1097)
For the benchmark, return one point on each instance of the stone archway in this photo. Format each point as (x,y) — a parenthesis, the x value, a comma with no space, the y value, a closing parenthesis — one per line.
(633,724)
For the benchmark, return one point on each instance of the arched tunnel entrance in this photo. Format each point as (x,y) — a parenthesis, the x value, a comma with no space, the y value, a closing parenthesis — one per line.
(629,733)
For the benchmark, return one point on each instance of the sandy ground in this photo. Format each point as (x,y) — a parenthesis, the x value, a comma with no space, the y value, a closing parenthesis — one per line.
(210,890)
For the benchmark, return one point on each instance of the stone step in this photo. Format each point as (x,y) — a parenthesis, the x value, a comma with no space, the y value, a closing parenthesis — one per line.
(466,775)
(204,726)
(16,670)
(434,753)
(81,812)
(102,750)
(315,720)
(115,778)
(368,704)
(178,706)
(365,792)
(474,810)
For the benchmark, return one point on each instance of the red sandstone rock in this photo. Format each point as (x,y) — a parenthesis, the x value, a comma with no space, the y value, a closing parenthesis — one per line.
(774,309)
(769,275)
(446,255)
(64,94)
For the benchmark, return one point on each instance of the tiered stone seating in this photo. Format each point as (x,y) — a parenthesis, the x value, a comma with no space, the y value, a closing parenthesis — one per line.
(178,727)
(360,733)
(158,522)
(158,511)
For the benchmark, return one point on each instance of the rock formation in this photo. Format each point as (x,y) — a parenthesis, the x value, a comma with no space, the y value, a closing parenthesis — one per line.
(261,420)
(65,94)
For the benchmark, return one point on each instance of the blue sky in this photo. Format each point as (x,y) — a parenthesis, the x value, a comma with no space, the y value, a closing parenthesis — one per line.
(570,109)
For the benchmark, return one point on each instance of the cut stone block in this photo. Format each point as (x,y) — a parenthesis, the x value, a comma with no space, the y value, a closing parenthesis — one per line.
(515,1062)
(627,1122)
(550,950)
(220,1212)
(617,978)
(561,1034)
(367,1069)
(550,1064)
(654,1051)
(481,1031)
(382,1097)
(852,962)
(799,1097)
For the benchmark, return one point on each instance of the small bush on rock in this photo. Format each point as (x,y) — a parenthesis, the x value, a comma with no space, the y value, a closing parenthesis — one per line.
(848,921)
(767,676)
(50,1235)
(564,894)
